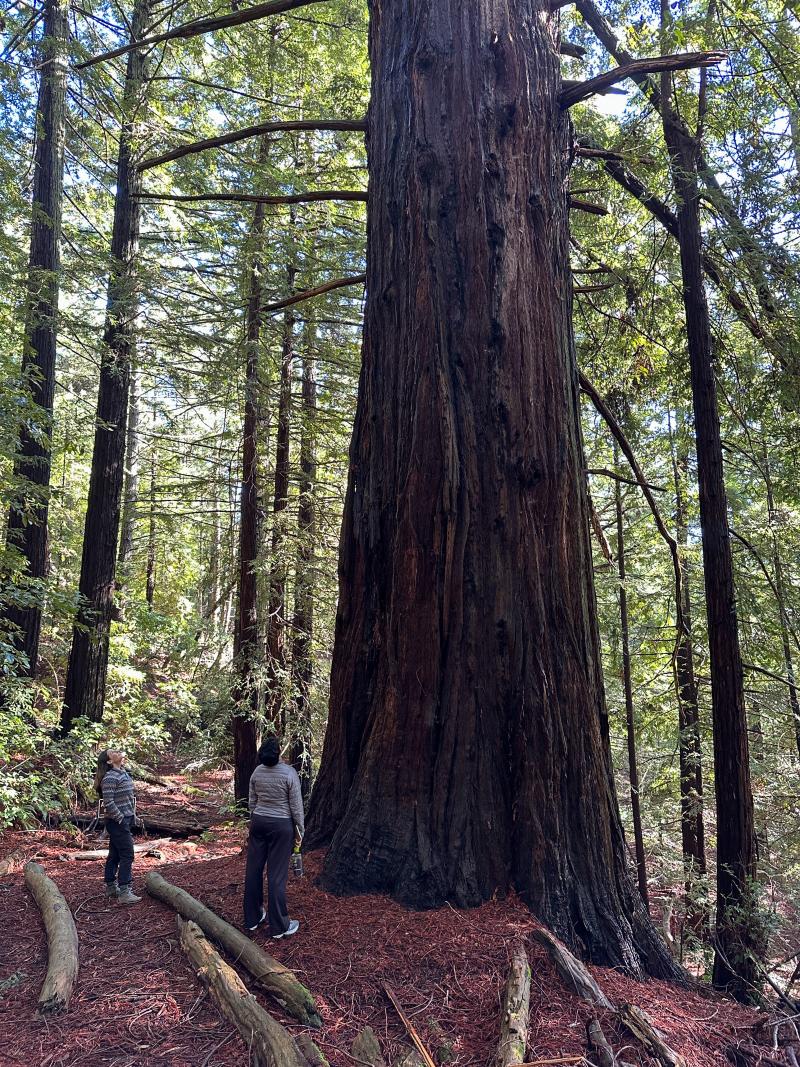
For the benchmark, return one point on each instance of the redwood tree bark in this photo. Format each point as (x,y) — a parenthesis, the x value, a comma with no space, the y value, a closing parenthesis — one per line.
(27,520)
(85,688)
(737,937)
(467,746)
(131,490)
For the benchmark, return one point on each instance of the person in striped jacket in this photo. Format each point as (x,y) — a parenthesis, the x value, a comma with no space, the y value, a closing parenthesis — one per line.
(116,787)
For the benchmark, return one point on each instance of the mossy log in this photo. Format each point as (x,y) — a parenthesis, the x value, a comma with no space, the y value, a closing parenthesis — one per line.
(516,1005)
(270,1044)
(62,941)
(572,971)
(267,972)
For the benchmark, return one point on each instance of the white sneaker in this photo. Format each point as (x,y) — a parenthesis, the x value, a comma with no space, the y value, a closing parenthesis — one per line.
(260,921)
(292,928)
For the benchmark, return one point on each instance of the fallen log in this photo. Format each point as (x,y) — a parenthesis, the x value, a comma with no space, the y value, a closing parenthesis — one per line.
(270,1044)
(144,774)
(62,941)
(516,1005)
(281,983)
(572,972)
(314,1055)
(598,1044)
(638,1024)
(12,863)
(157,825)
(146,847)
(366,1049)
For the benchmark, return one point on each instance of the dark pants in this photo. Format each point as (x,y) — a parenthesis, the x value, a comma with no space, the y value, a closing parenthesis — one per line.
(120,852)
(270,844)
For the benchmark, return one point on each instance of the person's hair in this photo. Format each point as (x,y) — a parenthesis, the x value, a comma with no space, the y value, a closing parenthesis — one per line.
(270,752)
(103,767)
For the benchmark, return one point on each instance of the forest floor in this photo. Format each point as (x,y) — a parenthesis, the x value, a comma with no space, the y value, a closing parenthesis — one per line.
(138,1002)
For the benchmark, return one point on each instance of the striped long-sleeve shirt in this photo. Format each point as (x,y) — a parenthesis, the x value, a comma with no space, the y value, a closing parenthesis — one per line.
(118,799)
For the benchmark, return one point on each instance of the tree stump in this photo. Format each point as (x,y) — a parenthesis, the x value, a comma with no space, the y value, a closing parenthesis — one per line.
(516,1004)
(572,971)
(267,972)
(270,1044)
(62,941)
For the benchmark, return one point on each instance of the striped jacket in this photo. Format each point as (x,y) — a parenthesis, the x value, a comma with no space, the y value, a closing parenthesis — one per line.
(118,799)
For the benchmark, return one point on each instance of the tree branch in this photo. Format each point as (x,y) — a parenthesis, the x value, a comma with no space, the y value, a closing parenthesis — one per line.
(257,198)
(577,204)
(307,294)
(207,25)
(252,131)
(626,481)
(635,68)
(616,430)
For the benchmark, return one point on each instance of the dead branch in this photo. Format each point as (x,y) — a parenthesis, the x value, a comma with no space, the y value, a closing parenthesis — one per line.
(573,973)
(624,444)
(308,294)
(515,1009)
(574,51)
(419,1044)
(257,198)
(270,1044)
(277,980)
(198,26)
(586,205)
(620,478)
(574,94)
(62,941)
(637,1022)
(252,131)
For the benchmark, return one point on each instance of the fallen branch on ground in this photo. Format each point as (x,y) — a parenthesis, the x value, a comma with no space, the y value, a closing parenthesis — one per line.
(515,1008)
(572,971)
(270,1044)
(146,848)
(638,1024)
(62,941)
(267,972)
(419,1044)
(598,1043)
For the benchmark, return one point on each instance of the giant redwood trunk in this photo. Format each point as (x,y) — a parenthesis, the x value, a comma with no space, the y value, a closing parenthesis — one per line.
(467,745)
(88,661)
(27,520)
(737,929)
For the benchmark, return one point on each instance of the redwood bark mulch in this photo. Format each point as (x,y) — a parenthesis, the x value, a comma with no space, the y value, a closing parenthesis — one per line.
(137,1002)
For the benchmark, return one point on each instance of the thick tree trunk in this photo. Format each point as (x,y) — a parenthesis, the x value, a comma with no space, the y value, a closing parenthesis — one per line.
(630,722)
(737,939)
(689,748)
(85,688)
(303,623)
(275,710)
(467,746)
(131,490)
(245,641)
(27,521)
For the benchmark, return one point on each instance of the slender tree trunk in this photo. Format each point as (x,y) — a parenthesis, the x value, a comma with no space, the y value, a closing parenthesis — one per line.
(467,746)
(303,624)
(689,748)
(780,590)
(276,619)
(131,490)
(27,521)
(738,943)
(150,578)
(638,836)
(88,662)
(245,642)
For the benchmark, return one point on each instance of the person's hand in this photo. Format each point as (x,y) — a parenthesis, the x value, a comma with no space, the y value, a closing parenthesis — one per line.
(137,823)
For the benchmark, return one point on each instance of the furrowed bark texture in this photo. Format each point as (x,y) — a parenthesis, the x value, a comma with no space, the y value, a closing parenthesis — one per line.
(467,743)
(737,939)
(27,522)
(88,662)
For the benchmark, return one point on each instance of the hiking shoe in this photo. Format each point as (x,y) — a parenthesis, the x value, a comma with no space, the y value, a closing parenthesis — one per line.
(112,889)
(127,896)
(260,921)
(292,928)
